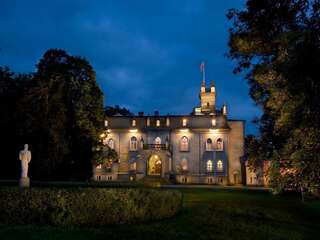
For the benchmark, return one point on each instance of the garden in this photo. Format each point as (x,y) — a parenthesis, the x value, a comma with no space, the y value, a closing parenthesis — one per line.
(145,213)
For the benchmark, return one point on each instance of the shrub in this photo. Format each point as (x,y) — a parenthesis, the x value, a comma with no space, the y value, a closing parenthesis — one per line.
(89,206)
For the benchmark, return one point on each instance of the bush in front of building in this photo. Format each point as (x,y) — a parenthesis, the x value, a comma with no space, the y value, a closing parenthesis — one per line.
(86,207)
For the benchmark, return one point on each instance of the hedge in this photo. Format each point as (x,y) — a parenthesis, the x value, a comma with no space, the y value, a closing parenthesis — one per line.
(88,206)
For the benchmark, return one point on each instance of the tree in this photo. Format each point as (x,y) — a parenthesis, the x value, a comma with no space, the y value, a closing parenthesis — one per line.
(64,116)
(111,111)
(277,44)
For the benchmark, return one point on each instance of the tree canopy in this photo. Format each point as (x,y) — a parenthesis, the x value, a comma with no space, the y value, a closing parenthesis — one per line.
(277,44)
(111,111)
(59,112)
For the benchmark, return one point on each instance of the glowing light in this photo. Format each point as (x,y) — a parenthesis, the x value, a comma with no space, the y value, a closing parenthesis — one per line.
(133,130)
(184,130)
(102,135)
(108,131)
(106,123)
(168,122)
(214,130)
(184,122)
(134,123)
(213,122)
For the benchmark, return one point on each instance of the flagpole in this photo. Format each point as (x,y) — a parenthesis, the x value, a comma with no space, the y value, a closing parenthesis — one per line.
(204,72)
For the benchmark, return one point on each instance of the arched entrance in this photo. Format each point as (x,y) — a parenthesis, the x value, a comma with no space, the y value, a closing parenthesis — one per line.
(154,165)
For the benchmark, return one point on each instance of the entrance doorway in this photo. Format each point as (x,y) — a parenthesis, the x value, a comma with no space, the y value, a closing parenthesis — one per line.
(154,165)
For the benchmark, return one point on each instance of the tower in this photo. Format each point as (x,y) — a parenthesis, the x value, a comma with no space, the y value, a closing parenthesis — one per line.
(207,98)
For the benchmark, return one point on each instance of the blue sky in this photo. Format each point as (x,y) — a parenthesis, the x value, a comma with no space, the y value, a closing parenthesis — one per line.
(146,54)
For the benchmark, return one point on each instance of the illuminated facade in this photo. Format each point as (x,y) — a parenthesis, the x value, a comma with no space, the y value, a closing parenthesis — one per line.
(204,147)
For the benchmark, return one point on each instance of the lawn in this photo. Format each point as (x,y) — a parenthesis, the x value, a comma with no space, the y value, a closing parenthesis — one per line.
(207,214)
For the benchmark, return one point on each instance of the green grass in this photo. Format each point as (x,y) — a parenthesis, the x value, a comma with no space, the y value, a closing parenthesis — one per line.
(207,214)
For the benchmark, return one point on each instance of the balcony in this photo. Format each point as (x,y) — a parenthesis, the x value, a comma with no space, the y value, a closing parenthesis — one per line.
(156,147)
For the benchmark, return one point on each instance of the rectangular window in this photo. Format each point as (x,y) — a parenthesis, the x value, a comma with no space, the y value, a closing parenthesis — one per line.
(184,122)
(168,122)
(213,122)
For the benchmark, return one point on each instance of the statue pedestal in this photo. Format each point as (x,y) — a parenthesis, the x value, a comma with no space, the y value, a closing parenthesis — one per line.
(24,182)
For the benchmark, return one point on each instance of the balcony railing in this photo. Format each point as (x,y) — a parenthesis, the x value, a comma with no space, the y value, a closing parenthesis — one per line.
(156,146)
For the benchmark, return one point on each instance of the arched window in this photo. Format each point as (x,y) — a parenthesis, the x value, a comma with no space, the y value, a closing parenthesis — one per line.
(157,140)
(134,123)
(158,123)
(219,165)
(209,145)
(184,164)
(209,166)
(111,143)
(184,144)
(219,145)
(133,144)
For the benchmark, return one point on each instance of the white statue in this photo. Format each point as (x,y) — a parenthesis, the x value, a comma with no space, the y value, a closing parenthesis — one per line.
(25,157)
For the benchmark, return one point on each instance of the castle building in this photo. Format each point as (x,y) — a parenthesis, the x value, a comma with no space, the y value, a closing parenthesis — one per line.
(203,147)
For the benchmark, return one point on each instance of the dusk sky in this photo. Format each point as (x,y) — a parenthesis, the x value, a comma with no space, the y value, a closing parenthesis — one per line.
(146,54)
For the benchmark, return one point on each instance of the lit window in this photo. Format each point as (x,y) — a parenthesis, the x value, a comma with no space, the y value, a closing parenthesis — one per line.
(213,122)
(184,144)
(209,145)
(184,122)
(133,123)
(209,166)
(133,166)
(157,141)
(167,122)
(219,144)
(184,164)
(158,123)
(111,143)
(106,123)
(220,165)
(133,144)
(148,122)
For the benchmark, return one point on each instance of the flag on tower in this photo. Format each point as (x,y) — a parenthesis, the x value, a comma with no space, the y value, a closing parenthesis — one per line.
(202,67)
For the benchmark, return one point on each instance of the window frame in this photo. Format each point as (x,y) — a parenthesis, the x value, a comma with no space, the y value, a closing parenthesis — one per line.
(133,144)
(184,145)
(184,163)
(220,166)
(209,163)
(111,140)
(134,123)
(209,144)
(221,148)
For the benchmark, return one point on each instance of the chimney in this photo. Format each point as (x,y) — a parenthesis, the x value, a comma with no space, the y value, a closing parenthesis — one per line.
(140,114)
(156,113)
